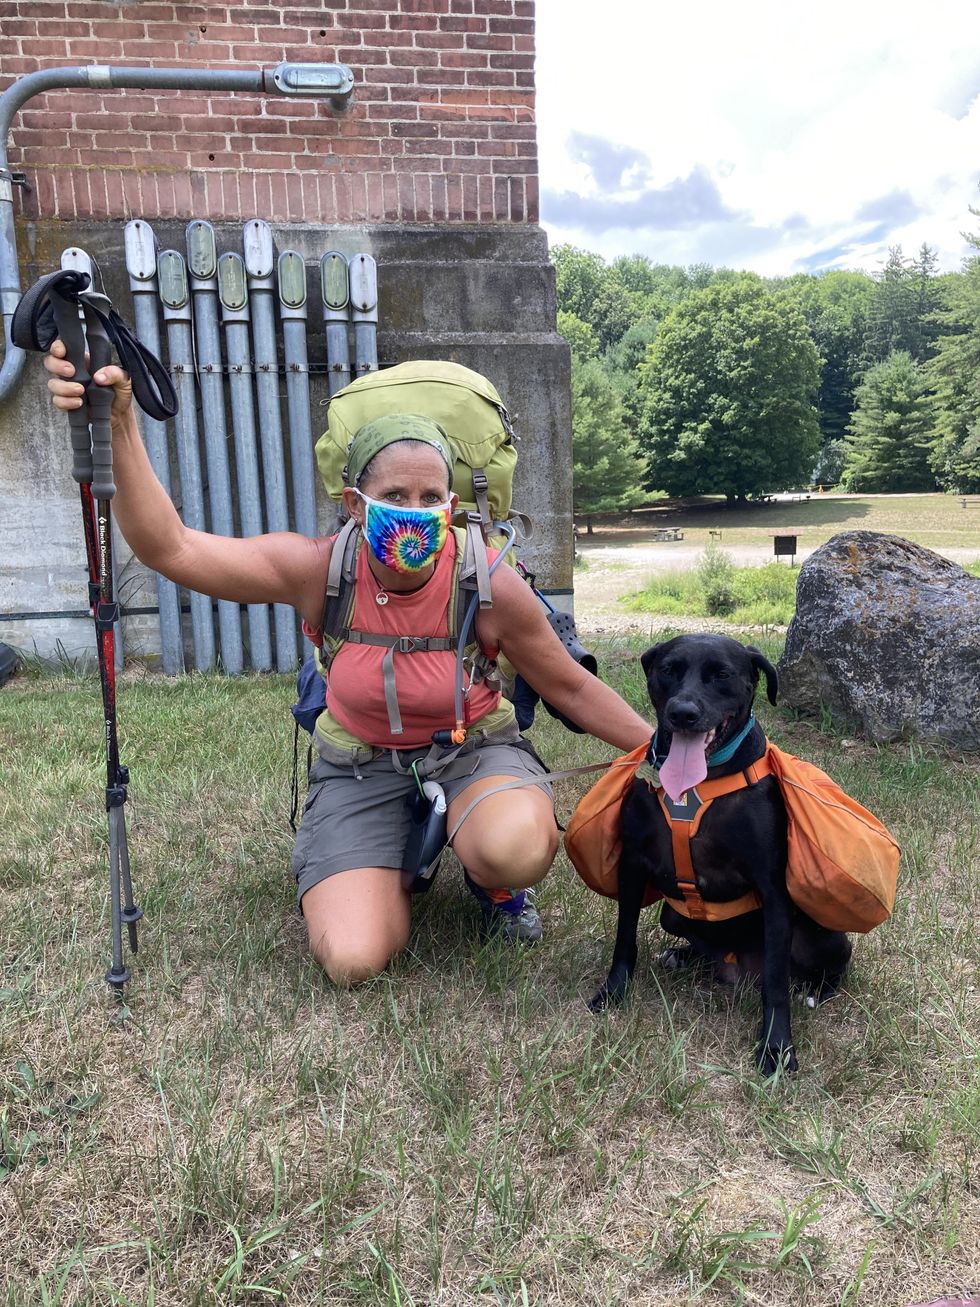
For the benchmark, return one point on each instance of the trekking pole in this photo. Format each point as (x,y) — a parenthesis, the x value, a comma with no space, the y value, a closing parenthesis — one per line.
(52,308)
(92,469)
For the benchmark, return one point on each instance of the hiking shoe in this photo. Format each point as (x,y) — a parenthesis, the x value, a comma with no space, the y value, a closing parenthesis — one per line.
(516,920)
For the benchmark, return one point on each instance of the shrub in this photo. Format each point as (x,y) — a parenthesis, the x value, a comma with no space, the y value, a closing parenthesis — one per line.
(716,574)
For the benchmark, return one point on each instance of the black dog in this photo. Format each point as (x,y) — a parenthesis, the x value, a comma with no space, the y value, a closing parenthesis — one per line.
(702,688)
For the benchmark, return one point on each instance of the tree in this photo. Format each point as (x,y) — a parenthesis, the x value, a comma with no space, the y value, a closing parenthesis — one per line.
(608,471)
(580,336)
(907,295)
(955,377)
(891,431)
(727,394)
(836,307)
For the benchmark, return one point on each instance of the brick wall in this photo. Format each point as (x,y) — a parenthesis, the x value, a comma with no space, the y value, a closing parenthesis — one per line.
(441,127)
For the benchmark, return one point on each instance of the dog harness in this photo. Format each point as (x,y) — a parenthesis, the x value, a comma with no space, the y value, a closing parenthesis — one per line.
(684,818)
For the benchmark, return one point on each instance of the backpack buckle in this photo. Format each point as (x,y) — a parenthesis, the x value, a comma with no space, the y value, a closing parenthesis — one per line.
(411,643)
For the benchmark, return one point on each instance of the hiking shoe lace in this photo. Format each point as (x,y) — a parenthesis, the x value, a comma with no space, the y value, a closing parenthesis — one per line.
(513,923)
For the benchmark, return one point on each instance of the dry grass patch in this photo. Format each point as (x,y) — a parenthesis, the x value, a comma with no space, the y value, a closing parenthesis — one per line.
(460,1130)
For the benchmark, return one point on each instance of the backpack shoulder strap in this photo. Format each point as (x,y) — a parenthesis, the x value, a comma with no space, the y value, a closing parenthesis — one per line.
(338,601)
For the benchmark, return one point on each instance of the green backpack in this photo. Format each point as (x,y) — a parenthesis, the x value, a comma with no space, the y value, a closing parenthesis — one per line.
(464,403)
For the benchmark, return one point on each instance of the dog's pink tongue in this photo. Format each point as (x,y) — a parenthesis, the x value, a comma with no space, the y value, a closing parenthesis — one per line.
(685,765)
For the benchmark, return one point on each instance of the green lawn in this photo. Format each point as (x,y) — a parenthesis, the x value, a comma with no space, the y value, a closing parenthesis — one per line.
(461,1130)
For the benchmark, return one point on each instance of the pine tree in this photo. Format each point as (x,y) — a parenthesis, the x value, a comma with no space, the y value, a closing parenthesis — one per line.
(891,432)
(608,470)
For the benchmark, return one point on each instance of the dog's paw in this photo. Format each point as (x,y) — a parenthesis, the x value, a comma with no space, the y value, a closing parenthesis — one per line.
(816,995)
(611,994)
(770,1058)
(600,1000)
(679,958)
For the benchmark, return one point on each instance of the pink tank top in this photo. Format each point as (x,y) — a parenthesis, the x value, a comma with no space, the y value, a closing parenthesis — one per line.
(424,680)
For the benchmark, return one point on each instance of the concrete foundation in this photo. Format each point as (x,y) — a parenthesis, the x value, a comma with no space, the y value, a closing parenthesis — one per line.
(481,296)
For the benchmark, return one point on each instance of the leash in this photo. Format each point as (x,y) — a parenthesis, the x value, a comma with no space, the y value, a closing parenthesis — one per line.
(65,304)
(521,784)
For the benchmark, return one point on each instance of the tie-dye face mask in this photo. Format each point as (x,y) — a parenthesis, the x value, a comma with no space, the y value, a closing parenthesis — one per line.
(405,539)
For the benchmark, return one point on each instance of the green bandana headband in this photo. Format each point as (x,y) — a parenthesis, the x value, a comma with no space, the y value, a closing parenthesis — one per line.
(377,434)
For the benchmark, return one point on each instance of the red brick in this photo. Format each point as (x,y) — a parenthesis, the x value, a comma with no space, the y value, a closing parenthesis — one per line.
(481,77)
(360,209)
(496,149)
(460,59)
(471,199)
(461,6)
(516,199)
(18,27)
(132,200)
(437,186)
(344,198)
(199,192)
(414,22)
(423,198)
(446,77)
(294,196)
(406,198)
(507,23)
(474,41)
(454,197)
(473,23)
(414,58)
(389,191)
(531,198)
(400,111)
(375,195)
(523,62)
(424,6)
(183,196)
(414,129)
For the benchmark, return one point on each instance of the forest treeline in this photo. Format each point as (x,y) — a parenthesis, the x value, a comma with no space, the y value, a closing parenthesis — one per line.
(703,380)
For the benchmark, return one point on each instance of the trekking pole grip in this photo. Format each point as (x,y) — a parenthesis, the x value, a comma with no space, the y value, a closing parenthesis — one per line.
(100,408)
(100,404)
(73,338)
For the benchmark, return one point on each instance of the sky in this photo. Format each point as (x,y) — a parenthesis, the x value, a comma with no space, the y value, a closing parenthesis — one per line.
(780,137)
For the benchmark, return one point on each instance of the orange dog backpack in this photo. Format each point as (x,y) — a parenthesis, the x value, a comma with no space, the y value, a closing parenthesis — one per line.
(842,865)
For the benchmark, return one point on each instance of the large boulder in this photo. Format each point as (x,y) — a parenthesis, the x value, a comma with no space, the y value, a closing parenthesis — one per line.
(887,637)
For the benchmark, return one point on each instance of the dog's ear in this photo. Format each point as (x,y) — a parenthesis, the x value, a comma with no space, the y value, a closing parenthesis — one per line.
(761,663)
(648,657)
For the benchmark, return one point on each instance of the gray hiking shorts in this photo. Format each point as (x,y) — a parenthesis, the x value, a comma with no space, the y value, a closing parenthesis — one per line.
(361,819)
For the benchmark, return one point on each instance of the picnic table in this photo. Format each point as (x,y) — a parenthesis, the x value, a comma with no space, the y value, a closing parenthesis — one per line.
(665,533)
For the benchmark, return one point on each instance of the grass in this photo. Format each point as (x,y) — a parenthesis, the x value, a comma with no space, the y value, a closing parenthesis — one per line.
(935,521)
(460,1130)
(760,596)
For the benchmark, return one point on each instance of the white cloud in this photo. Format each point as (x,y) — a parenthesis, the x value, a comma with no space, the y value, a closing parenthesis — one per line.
(782,111)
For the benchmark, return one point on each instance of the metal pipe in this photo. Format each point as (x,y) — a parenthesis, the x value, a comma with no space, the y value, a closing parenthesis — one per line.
(175,297)
(141,264)
(335,82)
(335,293)
(202,264)
(233,292)
(292,311)
(364,312)
(259,265)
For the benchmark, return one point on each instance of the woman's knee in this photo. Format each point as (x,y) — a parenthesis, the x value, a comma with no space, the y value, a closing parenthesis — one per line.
(515,856)
(352,960)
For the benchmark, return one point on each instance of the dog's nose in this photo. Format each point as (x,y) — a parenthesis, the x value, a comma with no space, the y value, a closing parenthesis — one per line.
(682,714)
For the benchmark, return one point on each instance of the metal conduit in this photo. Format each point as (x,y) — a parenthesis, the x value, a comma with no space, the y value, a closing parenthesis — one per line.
(333,82)
(202,263)
(233,292)
(335,293)
(141,264)
(364,312)
(292,310)
(175,296)
(259,266)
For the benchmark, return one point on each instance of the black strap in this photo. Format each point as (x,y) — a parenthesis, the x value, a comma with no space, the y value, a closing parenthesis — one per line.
(35,326)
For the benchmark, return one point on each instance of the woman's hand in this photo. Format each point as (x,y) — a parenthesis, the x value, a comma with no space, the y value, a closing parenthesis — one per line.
(67,394)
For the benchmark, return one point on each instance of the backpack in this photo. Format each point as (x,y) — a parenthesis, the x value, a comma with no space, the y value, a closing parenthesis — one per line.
(842,864)
(464,403)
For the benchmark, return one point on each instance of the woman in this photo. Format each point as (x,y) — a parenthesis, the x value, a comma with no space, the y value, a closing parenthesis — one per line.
(347,856)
